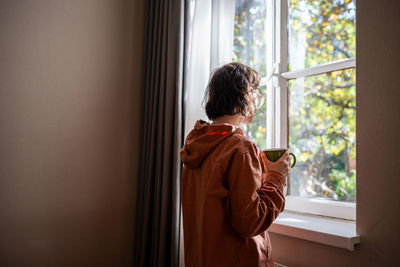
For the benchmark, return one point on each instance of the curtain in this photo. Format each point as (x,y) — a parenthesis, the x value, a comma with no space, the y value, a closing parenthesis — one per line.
(209,44)
(185,40)
(158,213)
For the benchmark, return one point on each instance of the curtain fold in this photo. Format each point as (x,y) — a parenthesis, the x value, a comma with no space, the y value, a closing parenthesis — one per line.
(158,216)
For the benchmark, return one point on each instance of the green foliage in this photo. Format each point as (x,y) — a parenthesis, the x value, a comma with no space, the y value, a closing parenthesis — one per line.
(324,29)
(322,133)
(322,107)
(250,37)
(250,49)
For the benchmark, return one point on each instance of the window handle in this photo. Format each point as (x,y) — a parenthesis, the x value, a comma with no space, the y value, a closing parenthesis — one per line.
(273,72)
(270,74)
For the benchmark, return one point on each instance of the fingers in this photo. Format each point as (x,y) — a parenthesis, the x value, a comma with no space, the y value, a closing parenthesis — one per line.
(285,156)
(286,159)
(265,158)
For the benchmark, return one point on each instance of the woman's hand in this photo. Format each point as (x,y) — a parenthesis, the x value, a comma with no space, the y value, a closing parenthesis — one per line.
(282,165)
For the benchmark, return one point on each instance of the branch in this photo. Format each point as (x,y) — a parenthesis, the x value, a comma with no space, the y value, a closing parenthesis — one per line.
(332,102)
(341,51)
(344,86)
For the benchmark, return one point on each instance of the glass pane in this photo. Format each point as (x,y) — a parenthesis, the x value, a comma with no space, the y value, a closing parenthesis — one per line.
(257,129)
(250,48)
(249,41)
(322,134)
(320,31)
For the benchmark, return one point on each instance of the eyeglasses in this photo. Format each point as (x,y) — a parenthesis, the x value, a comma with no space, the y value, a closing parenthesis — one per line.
(259,98)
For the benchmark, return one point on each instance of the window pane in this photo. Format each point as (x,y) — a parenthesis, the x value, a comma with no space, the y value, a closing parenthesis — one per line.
(322,135)
(249,43)
(257,129)
(320,31)
(249,47)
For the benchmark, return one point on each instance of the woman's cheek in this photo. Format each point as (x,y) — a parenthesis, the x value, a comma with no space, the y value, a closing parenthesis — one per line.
(248,120)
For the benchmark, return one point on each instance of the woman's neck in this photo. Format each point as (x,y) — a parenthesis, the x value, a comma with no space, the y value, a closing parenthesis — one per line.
(230,119)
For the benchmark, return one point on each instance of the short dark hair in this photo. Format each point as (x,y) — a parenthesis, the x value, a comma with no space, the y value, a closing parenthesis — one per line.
(227,89)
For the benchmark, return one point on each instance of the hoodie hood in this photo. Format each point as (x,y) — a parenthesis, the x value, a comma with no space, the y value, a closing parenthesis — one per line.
(203,139)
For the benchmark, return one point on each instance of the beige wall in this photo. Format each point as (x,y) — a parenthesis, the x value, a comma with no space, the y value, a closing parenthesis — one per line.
(378,130)
(70,79)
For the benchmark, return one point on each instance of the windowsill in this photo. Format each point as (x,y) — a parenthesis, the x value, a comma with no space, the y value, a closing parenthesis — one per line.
(323,230)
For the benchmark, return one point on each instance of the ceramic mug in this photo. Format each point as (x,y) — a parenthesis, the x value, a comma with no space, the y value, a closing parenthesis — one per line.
(275,153)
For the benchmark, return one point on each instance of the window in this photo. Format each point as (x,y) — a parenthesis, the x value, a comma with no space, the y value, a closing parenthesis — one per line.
(249,47)
(305,53)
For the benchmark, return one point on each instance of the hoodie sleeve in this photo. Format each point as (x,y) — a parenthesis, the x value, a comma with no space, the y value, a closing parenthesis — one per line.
(256,198)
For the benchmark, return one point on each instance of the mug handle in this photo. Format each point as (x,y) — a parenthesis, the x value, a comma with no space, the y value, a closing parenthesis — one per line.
(294,159)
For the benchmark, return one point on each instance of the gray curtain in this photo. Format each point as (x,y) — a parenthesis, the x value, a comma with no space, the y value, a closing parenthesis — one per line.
(157,230)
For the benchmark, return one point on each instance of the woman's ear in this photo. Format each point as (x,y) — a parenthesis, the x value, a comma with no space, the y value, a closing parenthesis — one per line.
(247,120)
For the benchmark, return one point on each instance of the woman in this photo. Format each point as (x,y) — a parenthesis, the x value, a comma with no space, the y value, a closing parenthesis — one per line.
(231,193)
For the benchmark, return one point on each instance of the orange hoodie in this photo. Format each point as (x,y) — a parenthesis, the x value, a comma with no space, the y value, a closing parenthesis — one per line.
(228,202)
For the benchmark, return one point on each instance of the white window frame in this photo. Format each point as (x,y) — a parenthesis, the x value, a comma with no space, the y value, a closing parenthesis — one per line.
(277,104)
